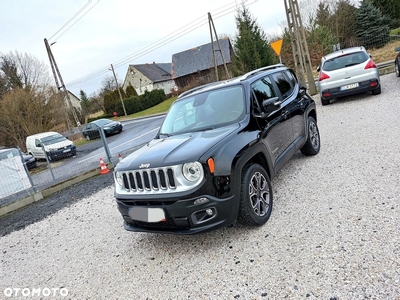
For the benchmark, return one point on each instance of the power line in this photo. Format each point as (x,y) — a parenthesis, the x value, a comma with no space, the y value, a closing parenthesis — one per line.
(220,12)
(76,14)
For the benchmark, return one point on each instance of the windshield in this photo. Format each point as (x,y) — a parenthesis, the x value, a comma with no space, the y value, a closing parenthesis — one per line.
(204,111)
(101,122)
(52,139)
(344,61)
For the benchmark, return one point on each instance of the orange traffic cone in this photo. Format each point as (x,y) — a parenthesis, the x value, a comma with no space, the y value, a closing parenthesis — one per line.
(103,167)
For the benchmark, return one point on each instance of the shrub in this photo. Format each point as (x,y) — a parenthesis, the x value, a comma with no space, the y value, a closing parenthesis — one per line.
(138,103)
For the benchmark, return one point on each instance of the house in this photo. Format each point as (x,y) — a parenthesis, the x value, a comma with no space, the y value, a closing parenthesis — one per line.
(148,77)
(75,101)
(195,66)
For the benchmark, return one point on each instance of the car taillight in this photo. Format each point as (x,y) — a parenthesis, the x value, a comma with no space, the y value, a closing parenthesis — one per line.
(323,76)
(370,65)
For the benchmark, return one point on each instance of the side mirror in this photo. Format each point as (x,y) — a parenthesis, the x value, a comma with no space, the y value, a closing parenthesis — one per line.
(271,104)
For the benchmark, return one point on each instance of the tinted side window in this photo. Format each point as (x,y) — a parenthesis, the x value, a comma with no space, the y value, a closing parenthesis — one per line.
(283,84)
(291,78)
(263,90)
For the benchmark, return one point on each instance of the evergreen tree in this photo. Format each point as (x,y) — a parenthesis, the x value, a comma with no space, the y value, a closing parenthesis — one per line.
(391,9)
(251,46)
(343,22)
(372,27)
(85,103)
(130,91)
(323,15)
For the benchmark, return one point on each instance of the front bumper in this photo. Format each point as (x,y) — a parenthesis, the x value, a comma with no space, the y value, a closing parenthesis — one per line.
(336,92)
(113,130)
(183,216)
(61,153)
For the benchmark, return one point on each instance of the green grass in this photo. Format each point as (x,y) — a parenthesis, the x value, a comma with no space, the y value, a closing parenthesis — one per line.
(395,31)
(157,109)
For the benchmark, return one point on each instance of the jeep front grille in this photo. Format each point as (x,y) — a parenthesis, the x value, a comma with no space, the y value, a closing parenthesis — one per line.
(161,179)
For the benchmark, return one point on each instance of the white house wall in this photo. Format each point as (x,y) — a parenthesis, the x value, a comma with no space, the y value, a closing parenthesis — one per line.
(141,83)
(166,86)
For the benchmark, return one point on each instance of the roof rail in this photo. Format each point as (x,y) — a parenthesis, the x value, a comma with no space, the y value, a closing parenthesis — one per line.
(195,89)
(257,71)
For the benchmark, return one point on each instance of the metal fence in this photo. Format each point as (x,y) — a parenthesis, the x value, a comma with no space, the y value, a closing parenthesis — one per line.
(21,179)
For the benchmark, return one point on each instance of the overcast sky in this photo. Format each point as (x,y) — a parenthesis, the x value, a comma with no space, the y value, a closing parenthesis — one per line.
(119,32)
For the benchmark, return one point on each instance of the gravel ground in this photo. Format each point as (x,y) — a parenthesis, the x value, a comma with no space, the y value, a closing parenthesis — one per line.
(333,234)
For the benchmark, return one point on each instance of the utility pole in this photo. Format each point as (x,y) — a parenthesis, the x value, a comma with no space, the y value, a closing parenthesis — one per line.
(61,87)
(299,45)
(119,92)
(211,24)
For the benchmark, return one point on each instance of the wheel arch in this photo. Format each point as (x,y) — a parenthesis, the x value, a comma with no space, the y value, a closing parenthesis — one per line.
(257,154)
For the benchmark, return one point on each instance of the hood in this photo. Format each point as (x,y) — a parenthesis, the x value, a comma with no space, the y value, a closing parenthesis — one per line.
(175,150)
(64,144)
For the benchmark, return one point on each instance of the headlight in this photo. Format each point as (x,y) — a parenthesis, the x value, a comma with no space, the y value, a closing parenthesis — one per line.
(192,171)
(118,178)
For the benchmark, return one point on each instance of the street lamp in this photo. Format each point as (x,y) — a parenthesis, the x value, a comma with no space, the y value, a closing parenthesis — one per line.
(119,92)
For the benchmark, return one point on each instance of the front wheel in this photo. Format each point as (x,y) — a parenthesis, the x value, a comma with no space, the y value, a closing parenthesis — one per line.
(255,196)
(397,68)
(313,143)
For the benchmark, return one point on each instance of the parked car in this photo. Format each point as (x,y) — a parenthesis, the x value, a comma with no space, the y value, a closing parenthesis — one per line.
(213,158)
(91,130)
(27,159)
(51,144)
(347,72)
(397,62)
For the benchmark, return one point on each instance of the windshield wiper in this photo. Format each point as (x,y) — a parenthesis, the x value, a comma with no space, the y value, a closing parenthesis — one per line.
(165,134)
(203,129)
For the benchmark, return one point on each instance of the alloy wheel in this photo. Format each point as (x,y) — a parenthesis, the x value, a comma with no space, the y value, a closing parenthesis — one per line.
(314,135)
(259,194)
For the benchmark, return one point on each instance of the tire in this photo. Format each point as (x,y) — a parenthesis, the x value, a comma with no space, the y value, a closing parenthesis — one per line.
(313,143)
(376,91)
(397,68)
(255,196)
(325,101)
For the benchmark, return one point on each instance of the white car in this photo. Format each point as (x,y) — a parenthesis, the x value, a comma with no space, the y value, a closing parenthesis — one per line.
(347,72)
(51,144)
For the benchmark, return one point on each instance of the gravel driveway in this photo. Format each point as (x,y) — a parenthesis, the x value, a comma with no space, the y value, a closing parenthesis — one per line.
(334,232)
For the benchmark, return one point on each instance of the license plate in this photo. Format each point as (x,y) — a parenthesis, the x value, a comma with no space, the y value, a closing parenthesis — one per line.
(147,214)
(349,87)
(67,150)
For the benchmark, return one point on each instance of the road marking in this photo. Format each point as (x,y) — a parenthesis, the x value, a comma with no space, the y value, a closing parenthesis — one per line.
(138,137)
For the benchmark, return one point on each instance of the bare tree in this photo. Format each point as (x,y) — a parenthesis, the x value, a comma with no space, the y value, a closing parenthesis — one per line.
(24,71)
(108,85)
(25,112)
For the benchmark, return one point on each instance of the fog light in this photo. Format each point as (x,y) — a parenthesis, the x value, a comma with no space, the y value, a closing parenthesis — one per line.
(209,211)
(201,201)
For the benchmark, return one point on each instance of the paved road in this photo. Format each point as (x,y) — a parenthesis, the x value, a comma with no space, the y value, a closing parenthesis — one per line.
(135,133)
(333,233)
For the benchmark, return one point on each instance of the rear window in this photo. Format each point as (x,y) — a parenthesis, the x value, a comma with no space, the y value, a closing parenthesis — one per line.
(345,60)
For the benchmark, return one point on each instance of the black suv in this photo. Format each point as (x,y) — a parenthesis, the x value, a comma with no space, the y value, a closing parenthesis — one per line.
(212,161)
